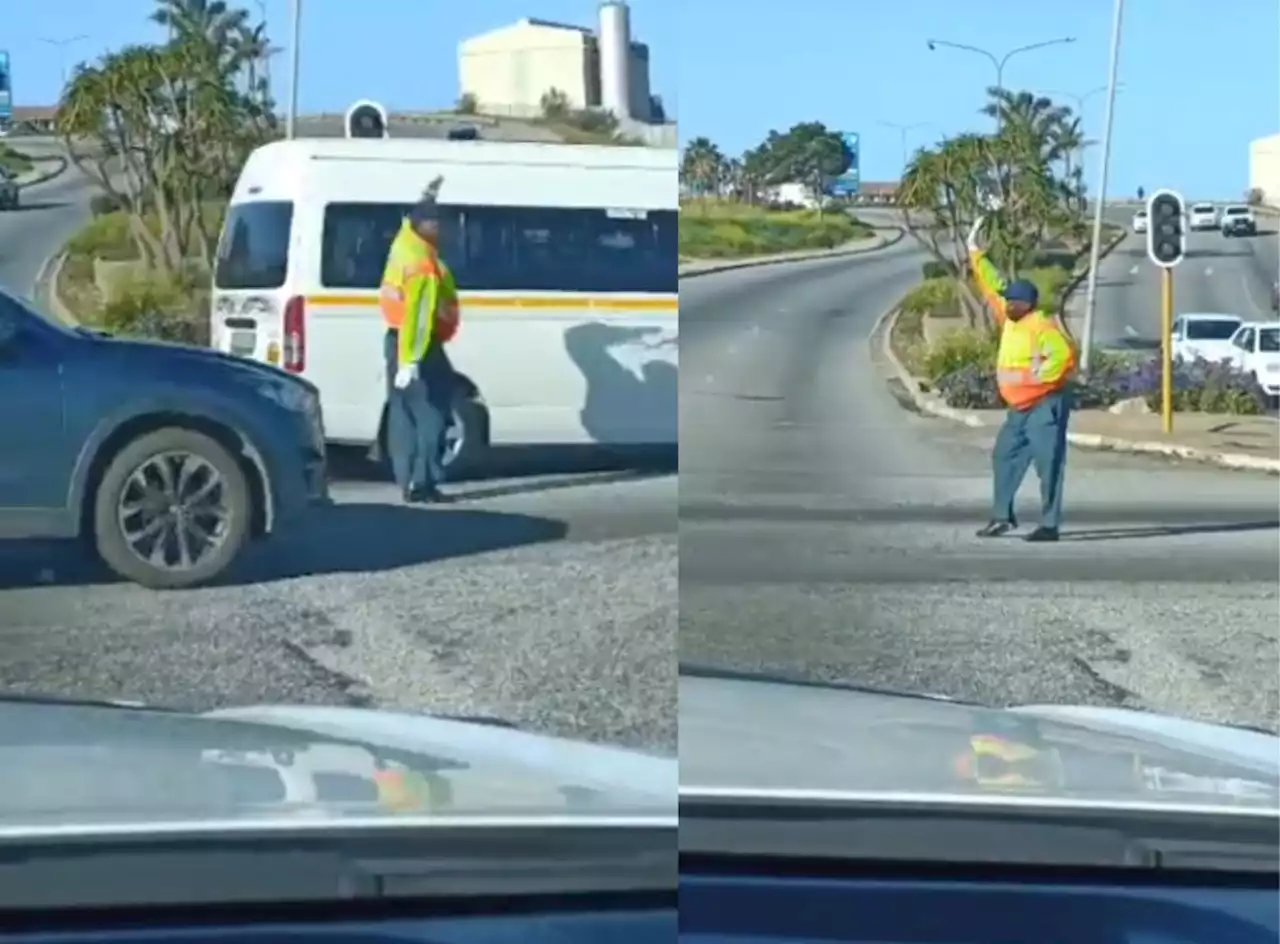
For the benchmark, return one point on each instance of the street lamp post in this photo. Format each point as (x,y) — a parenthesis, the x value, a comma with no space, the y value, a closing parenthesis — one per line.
(1095,250)
(999,62)
(903,130)
(291,118)
(61,45)
(1079,102)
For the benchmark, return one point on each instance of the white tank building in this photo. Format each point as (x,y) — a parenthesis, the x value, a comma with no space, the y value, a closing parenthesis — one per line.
(509,70)
(1264,168)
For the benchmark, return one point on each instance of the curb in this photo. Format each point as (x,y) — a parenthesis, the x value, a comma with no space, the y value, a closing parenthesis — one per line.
(45,289)
(934,406)
(63,164)
(729,266)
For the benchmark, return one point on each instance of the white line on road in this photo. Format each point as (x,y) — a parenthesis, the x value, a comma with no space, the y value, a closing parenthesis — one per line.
(1130,331)
(1133,271)
(1208,270)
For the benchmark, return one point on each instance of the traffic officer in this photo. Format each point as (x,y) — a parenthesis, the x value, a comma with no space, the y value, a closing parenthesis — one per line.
(419,377)
(1033,368)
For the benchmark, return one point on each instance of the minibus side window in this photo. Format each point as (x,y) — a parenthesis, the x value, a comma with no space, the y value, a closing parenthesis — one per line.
(530,249)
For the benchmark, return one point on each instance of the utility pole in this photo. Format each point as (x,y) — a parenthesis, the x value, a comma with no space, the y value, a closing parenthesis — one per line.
(1095,251)
(291,119)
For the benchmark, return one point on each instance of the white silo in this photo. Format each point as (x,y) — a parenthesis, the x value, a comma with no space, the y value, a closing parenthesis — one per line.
(615,58)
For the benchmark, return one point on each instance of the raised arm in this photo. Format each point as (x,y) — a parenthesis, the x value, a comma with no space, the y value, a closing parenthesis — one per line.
(990,282)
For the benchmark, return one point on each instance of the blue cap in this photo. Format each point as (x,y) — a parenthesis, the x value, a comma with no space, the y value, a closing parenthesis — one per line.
(1020,290)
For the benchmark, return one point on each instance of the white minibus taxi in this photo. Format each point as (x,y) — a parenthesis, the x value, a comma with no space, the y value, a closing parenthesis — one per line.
(565,258)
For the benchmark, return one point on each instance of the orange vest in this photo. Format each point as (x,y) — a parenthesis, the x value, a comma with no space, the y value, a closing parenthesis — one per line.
(412,257)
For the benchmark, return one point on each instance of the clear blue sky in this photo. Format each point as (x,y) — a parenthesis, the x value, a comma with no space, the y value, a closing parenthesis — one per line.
(409,60)
(1202,77)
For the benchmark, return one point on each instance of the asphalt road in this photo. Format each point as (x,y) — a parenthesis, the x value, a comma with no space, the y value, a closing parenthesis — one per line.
(827,532)
(1220,275)
(546,599)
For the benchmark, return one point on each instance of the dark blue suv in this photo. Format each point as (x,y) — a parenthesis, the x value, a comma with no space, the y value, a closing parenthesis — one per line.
(168,459)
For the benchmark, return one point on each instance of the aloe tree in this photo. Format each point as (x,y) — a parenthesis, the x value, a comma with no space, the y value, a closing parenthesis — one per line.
(164,130)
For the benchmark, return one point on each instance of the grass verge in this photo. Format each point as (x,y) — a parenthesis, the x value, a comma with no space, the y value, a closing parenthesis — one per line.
(14,162)
(722,229)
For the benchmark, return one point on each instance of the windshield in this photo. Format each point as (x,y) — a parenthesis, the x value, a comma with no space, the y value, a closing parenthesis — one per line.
(208,500)
(885,485)
(1211,329)
(1236,211)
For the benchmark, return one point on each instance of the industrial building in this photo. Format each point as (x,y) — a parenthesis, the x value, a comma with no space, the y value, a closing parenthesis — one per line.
(1264,168)
(509,70)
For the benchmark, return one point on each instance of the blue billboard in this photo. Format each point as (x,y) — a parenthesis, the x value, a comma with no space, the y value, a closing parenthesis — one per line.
(850,182)
(6,90)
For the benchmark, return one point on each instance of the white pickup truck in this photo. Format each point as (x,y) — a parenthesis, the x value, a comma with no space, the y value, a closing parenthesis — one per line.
(1257,351)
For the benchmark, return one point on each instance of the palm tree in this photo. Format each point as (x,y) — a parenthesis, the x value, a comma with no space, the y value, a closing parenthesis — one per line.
(702,167)
(212,19)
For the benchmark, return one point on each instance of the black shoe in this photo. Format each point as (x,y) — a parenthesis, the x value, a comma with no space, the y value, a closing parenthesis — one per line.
(1043,535)
(429,496)
(995,529)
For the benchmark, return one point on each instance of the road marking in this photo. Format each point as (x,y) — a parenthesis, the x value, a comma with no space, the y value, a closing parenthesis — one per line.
(1208,270)
(1133,271)
(1130,331)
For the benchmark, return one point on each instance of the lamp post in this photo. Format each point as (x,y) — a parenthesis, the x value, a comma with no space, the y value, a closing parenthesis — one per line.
(999,62)
(1095,251)
(291,118)
(61,45)
(903,130)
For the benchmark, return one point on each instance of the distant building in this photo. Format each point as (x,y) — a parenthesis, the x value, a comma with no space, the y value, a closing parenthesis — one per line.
(39,120)
(509,70)
(1264,168)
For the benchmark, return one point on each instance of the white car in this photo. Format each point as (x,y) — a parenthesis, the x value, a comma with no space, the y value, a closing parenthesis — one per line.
(1203,216)
(1205,336)
(1140,221)
(1257,352)
(1239,221)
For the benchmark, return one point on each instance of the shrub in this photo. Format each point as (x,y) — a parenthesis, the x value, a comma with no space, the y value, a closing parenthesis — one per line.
(1198,386)
(934,297)
(103,203)
(105,237)
(933,269)
(959,351)
(155,308)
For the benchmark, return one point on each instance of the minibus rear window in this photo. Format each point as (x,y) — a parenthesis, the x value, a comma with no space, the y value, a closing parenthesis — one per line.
(253,252)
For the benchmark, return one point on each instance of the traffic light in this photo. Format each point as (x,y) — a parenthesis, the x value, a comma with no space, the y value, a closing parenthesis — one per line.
(366,119)
(1166,233)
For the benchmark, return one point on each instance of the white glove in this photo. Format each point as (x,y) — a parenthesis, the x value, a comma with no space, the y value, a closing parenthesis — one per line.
(405,376)
(972,241)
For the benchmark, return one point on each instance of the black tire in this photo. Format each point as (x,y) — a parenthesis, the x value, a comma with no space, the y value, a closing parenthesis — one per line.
(471,457)
(110,541)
